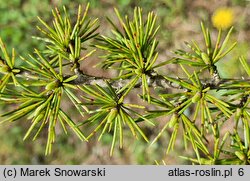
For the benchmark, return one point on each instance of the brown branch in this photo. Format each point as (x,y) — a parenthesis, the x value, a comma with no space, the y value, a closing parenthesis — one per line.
(154,80)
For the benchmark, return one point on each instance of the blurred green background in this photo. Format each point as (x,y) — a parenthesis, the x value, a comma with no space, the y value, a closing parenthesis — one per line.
(179,21)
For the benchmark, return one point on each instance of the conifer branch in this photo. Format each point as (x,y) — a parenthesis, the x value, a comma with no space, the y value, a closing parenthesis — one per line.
(42,84)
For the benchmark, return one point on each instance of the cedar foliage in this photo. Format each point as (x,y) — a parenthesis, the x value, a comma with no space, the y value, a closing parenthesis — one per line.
(38,86)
